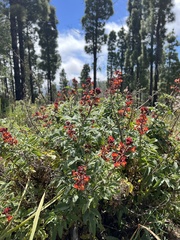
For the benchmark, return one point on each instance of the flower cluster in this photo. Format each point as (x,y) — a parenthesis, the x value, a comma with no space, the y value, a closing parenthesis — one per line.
(87,84)
(129,100)
(70,130)
(175,87)
(80,178)
(56,105)
(90,97)
(7,137)
(127,108)
(120,152)
(42,116)
(75,83)
(6,213)
(107,148)
(115,83)
(141,122)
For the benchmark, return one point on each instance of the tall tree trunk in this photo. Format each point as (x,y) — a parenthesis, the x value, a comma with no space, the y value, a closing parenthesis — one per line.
(157,62)
(13,28)
(30,75)
(95,67)
(151,70)
(21,53)
(12,79)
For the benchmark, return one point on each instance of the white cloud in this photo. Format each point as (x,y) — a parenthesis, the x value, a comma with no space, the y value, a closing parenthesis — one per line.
(116,26)
(71,47)
(112,26)
(176,24)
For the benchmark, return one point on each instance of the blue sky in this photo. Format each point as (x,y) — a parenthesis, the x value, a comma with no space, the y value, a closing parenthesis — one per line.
(70,12)
(71,38)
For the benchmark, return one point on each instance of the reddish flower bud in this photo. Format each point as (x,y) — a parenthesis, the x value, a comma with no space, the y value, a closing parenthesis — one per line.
(6,210)
(129,141)
(98,90)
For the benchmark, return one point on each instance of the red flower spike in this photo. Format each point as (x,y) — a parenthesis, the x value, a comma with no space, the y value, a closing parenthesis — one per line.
(6,210)
(7,137)
(120,152)
(142,121)
(81,178)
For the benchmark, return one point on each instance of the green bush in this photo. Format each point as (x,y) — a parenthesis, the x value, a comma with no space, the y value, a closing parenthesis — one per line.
(103,166)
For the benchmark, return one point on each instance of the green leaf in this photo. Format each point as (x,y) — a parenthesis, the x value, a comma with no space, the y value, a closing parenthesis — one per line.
(1,182)
(87,205)
(36,218)
(92,224)
(60,230)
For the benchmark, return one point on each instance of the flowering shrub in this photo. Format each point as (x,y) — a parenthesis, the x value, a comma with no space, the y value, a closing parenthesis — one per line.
(102,164)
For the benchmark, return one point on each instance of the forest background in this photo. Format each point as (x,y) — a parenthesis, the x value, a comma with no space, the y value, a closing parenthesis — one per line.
(141,41)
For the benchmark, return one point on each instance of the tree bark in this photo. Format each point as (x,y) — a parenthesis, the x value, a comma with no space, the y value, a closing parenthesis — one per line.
(21,53)
(13,29)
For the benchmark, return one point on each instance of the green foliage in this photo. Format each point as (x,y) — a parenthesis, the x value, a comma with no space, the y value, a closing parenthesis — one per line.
(112,60)
(105,164)
(50,58)
(85,73)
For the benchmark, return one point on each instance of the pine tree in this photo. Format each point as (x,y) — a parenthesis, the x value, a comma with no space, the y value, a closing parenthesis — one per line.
(97,12)
(121,49)
(133,39)
(16,58)
(170,69)
(157,13)
(85,74)
(50,59)
(37,10)
(63,80)
(5,49)
(24,16)
(112,57)
(164,15)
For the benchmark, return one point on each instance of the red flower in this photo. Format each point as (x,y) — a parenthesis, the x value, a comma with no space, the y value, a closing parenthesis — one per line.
(6,210)
(70,130)
(121,112)
(56,105)
(81,178)
(114,155)
(98,90)
(7,137)
(3,129)
(9,218)
(111,139)
(132,149)
(120,152)
(117,164)
(142,121)
(129,141)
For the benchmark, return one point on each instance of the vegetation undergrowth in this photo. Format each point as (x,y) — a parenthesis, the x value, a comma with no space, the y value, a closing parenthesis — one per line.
(90,166)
